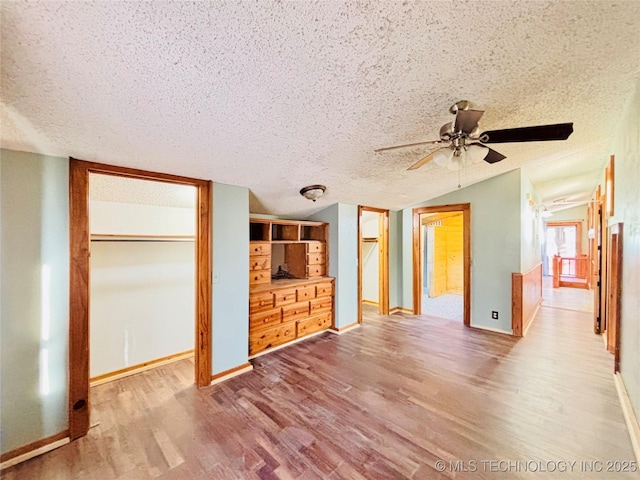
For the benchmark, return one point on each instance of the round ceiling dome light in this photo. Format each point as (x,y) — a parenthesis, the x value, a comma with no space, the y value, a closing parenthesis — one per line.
(313,192)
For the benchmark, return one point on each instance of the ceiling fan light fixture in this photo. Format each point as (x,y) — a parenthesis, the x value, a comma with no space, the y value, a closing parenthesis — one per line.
(443,157)
(455,163)
(313,192)
(477,153)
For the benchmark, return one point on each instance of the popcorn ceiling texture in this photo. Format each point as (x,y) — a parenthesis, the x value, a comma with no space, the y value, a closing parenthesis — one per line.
(111,188)
(278,95)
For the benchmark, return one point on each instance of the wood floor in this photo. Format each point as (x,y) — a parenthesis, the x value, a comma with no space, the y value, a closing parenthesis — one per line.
(385,401)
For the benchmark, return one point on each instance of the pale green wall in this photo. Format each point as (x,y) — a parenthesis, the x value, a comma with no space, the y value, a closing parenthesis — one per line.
(231,276)
(495,246)
(34,315)
(343,258)
(34,232)
(531,226)
(626,148)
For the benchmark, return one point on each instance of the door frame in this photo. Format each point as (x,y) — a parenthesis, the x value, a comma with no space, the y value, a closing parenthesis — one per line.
(383,259)
(597,261)
(465,208)
(614,284)
(79,280)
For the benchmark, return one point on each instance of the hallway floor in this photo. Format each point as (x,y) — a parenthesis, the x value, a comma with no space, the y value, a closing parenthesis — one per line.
(564,297)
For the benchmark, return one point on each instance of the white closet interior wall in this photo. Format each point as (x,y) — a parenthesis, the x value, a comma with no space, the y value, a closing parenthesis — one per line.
(142,273)
(370,255)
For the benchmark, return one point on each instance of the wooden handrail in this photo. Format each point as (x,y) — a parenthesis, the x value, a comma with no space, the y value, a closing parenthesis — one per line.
(569,268)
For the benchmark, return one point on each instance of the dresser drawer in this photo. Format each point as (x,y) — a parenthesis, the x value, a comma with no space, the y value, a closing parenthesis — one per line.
(324,289)
(270,318)
(271,337)
(315,258)
(306,293)
(259,262)
(320,305)
(285,296)
(315,247)
(316,271)
(295,311)
(260,302)
(257,277)
(314,324)
(259,248)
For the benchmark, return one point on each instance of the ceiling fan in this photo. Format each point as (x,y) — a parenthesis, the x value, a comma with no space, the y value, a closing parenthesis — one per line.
(466,145)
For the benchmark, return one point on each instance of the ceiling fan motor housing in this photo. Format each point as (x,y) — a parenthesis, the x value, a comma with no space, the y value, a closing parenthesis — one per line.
(446,131)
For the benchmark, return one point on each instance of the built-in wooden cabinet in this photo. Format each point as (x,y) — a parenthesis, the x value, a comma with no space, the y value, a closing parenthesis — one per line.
(285,309)
(288,309)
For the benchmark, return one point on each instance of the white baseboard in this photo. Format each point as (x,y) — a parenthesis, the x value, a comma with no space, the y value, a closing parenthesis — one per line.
(629,416)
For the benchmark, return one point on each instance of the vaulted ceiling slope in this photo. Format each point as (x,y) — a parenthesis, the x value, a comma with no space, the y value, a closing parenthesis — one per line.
(278,95)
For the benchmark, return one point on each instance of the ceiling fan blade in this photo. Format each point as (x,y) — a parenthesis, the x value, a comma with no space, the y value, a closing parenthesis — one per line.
(384,149)
(467,120)
(493,156)
(540,133)
(425,160)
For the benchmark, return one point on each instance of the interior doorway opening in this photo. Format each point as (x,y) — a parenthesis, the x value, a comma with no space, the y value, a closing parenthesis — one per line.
(563,239)
(442,246)
(442,260)
(373,259)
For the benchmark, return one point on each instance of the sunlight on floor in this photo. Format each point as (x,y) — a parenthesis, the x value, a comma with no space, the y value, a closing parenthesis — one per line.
(565,297)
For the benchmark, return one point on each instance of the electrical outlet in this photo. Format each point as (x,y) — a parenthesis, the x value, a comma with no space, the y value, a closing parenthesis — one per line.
(494,315)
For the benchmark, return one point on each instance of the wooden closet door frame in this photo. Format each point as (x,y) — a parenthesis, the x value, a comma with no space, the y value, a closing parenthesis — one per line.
(79,279)
(465,209)
(383,262)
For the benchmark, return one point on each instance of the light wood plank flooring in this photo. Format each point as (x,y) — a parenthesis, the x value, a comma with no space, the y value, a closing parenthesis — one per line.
(385,401)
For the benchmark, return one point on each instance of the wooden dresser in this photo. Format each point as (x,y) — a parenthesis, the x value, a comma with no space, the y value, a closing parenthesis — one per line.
(284,309)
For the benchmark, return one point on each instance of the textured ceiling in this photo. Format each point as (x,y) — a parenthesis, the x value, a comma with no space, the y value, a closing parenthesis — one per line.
(278,95)
(112,188)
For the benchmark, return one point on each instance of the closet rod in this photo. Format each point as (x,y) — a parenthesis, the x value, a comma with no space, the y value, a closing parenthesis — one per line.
(141,238)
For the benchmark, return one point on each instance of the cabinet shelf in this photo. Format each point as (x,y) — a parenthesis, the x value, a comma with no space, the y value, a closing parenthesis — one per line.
(283,310)
(259,231)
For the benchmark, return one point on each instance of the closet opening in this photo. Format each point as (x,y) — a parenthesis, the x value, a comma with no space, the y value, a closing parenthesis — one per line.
(373,260)
(114,248)
(142,270)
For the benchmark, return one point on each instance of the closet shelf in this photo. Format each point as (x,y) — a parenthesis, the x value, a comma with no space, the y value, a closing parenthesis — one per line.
(98,237)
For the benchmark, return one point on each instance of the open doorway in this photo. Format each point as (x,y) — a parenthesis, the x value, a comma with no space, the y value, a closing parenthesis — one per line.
(443,265)
(142,270)
(80,281)
(442,261)
(373,259)
(562,239)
